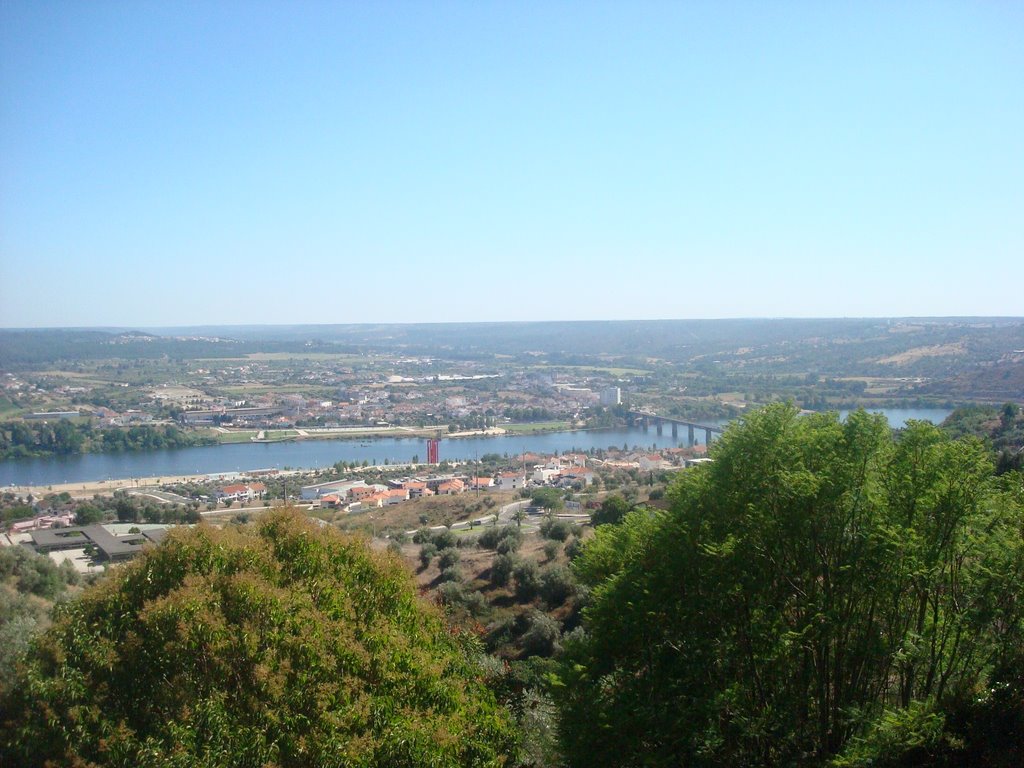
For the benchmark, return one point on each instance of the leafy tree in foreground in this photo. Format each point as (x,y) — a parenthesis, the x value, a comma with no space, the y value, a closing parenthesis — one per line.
(818,589)
(277,644)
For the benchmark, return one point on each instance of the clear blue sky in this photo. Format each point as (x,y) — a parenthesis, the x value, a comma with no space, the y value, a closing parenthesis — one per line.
(172,163)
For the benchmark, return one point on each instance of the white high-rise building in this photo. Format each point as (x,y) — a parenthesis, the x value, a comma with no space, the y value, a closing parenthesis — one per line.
(611,396)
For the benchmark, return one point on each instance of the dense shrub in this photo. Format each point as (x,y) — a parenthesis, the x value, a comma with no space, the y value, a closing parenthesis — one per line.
(501,569)
(551,549)
(573,547)
(492,538)
(527,576)
(35,574)
(459,596)
(447,558)
(541,636)
(451,573)
(558,530)
(427,553)
(444,539)
(278,643)
(823,590)
(508,545)
(557,585)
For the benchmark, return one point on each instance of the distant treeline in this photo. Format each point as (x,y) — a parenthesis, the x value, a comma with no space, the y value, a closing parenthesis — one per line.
(64,438)
(30,348)
(826,347)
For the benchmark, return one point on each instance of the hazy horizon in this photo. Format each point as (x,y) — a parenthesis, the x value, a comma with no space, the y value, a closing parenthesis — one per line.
(201,326)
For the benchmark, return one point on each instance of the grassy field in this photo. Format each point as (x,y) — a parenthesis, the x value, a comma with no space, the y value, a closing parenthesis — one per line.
(437,510)
(231,437)
(245,435)
(271,356)
(611,371)
(537,426)
(8,408)
(304,389)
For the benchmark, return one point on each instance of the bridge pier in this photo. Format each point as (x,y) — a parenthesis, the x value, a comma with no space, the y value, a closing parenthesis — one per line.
(707,438)
(675,430)
(659,424)
(689,429)
(646,423)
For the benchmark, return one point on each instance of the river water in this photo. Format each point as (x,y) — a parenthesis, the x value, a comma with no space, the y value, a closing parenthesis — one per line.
(311,454)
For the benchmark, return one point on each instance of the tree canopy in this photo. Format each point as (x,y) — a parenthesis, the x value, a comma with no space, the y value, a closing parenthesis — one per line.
(818,583)
(277,643)
(549,498)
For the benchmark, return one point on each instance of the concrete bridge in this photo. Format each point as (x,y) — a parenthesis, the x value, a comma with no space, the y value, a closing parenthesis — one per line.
(646,418)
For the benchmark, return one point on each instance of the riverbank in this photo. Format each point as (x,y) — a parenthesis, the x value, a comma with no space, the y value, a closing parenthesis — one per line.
(74,472)
(225,436)
(85,490)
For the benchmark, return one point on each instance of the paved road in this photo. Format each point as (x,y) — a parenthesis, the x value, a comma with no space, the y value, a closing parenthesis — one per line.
(242,510)
(164,497)
(507,513)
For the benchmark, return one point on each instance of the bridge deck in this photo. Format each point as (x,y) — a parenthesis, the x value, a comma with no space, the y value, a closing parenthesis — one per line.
(674,420)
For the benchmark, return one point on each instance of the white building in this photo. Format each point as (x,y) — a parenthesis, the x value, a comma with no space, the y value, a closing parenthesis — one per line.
(544,474)
(511,481)
(611,396)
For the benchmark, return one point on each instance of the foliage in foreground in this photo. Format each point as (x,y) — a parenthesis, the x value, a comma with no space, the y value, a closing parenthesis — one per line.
(280,643)
(821,591)
(29,585)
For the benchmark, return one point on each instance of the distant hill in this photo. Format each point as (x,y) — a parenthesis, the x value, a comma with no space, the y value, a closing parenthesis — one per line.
(969,357)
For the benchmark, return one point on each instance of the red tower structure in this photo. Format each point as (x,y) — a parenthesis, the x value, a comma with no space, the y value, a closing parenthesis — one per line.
(432,445)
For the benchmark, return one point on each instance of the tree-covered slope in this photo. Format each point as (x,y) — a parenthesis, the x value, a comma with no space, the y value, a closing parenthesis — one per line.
(275,644)
(822,591)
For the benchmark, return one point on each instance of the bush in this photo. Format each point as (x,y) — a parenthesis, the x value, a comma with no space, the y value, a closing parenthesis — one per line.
(445,539)
(612,510)
(541,636)
(500,633)
(456,595)
(35,574)
(236,638)
(427,552)
(508,545)
(551,549)
(447,558)
(527,577)
(87,514)
(573,547)
(492,538)
(825,588)
(451,573)
(556,585)
(558,530)
(502,568)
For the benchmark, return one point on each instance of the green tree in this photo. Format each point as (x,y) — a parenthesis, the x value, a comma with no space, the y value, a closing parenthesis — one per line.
(557,530)
(277,643)
(816,578)
(125,508)
(87,514)
(612,510)
(527,576)
(549,498)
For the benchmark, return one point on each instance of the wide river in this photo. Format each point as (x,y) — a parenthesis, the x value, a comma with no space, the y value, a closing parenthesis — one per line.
(312,454)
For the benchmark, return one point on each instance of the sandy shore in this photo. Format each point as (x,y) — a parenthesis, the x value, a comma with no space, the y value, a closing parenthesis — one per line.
(89,489)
